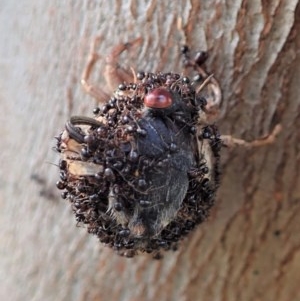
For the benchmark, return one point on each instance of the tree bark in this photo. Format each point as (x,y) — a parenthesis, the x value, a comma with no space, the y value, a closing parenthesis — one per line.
(249,249)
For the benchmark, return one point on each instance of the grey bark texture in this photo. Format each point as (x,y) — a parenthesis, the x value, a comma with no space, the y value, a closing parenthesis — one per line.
(249,249)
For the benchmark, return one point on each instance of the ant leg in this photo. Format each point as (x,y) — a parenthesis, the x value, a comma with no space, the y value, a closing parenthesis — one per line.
(114,73)
(96,92)
(229,141)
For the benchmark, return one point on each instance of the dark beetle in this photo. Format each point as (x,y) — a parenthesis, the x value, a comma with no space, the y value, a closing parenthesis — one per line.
(144,171)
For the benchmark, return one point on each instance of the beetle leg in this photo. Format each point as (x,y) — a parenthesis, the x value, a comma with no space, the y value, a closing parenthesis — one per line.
(85,120)
(114,73)
(205,84)
(229,141)
(74,132)
(99,94)
(213,92)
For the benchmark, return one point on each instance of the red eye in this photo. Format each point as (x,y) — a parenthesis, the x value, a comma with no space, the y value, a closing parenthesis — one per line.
(158,98)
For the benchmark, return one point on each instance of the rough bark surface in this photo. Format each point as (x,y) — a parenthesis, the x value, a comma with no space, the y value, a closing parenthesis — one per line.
(249,249)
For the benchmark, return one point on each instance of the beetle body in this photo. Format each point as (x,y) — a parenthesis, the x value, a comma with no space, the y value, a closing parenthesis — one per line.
(144,172)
